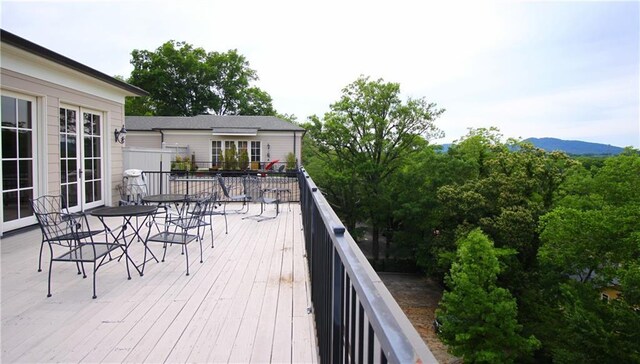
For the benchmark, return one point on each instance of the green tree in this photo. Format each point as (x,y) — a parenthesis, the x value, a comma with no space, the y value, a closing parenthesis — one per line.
(479,318)
(184,81)
(367,135)
(591,241)
(230,157)
(243,160)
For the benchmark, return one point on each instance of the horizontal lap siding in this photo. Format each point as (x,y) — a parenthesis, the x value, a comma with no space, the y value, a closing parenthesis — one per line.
(144,140)
(49,97)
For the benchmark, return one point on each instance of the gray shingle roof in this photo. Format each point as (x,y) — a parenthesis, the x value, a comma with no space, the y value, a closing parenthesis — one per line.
(208,122)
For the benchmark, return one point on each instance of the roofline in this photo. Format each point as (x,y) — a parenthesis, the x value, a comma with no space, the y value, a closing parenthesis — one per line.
(21,43)
(208,129)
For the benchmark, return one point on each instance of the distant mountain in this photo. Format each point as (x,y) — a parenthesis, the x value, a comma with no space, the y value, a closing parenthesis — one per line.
(574,147)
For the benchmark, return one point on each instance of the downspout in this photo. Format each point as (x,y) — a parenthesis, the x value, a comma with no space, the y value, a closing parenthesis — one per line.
(161,156)
(294,143)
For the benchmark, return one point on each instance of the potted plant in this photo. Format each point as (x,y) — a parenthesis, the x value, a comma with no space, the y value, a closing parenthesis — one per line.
(230,159)
(243,161)
(291,161)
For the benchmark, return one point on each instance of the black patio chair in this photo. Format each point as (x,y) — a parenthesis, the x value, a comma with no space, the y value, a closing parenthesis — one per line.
(255,186)
(176,229)
(244,197)
(73,233)
(211,210)
(132,194)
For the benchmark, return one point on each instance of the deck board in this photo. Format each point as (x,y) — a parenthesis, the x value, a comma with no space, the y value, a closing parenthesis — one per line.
(245,303)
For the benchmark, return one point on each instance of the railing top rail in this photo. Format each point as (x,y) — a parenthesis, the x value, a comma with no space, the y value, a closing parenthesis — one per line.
(396,334)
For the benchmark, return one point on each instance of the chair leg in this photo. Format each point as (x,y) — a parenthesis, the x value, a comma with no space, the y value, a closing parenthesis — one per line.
(94,280)
(40,258)
(200,241)
(224,212)
(165,251)
(50,268)
(187,257)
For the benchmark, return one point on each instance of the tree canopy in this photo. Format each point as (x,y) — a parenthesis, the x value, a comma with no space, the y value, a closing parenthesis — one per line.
(479,318)
(184,81)
(365,138)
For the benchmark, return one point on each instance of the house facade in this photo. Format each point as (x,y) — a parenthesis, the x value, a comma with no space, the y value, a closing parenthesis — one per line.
(58,123)
(209,137)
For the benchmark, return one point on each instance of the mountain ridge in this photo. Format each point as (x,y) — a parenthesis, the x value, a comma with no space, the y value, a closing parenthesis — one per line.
(574,147)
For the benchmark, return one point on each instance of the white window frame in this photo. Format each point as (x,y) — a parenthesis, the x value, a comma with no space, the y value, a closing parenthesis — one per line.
(37,168)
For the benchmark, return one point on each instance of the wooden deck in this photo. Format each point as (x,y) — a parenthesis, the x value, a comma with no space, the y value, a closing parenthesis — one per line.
(246,303)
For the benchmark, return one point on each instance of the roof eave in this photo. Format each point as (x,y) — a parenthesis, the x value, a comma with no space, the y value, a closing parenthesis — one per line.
(21,43)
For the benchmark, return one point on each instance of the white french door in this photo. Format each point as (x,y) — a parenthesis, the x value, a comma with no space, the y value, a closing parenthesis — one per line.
(81,157)
(19,169)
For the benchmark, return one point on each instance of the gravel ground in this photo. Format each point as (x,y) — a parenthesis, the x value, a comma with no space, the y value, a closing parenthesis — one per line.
(418,297)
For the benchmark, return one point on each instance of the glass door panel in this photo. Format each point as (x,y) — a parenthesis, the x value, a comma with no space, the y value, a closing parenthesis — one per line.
(18,160)
(93,158)
(81,158)
(69,177)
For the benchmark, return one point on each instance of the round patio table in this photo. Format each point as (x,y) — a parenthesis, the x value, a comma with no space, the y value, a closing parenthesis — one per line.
(162,199)
(128,212)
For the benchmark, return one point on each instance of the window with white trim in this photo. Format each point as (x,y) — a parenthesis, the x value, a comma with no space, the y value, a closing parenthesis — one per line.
(216,152)
(255,151)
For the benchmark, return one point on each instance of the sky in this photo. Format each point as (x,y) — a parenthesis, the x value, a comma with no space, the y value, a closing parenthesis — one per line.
(566,70)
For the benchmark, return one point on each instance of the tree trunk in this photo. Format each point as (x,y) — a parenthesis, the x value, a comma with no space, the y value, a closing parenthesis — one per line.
(375,243)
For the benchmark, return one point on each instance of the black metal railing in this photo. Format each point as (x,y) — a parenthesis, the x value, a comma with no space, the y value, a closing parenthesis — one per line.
(207,181)
(357,319)
(193,165)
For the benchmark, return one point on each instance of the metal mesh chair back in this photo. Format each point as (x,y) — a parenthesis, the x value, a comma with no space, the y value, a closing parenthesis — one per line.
(133,193)
(252,188)
(56,223)
(225,190)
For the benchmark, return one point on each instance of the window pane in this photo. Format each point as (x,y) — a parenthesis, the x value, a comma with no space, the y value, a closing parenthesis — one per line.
(9,148)
(8,111)
(96,124)
(63,120)
(88,169)
(63,171)
(64,192)
(88,191)
(88,148)
(26,175)
(97,190)
(72,176)
(25,205)
(71,146)
(73,195)
(10,205)
(71,121)
(24,114)
(96,147)
(9,175)
(87,123)
(96,169)
(63,146)
(24,143)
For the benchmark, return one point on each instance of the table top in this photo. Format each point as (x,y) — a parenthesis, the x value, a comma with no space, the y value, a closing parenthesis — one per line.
(164,198)
(126,210)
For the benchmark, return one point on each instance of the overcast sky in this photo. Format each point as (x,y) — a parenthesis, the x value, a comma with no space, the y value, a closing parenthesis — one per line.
(568,70)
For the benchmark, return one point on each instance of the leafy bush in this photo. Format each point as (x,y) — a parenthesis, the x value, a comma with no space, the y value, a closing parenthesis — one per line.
(291,160)
(244,160)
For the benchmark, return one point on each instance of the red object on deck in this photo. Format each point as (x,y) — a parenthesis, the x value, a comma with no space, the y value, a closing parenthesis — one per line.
(270,165)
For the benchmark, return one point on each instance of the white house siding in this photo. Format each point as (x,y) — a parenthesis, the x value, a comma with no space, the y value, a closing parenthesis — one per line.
(282,143)
(49,96)
(275,145)
(144,140)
